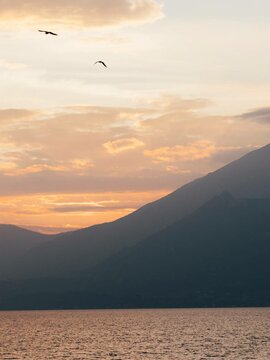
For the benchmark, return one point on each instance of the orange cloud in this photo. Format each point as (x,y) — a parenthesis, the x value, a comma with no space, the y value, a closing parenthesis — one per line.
(7,167)
(195,151)
(81,164)
(91,13)
(10,115)
(121,145)
(12,169)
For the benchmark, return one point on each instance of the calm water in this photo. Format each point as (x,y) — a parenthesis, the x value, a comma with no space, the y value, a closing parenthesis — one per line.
(130,335)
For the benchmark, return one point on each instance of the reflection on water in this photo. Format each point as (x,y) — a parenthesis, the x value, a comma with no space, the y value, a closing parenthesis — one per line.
(240,334)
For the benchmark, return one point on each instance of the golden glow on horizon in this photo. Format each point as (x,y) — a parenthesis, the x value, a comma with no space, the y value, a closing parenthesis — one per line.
(53,213)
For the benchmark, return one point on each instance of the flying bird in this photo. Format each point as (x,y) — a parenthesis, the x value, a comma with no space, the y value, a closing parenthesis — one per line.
(101,62)
(48,32)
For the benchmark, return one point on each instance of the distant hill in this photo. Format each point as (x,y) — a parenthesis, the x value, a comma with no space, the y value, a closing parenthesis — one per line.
(74,252)
(217,256)
(15,242)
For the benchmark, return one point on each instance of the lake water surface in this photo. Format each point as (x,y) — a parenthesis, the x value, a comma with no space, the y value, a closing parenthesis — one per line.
(238,334)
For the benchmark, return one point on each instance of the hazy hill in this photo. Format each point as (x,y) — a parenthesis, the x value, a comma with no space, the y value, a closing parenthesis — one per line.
(247,177)
(16,242)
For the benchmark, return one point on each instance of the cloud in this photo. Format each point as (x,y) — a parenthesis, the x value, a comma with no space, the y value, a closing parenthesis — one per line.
(10,169)
(121,145)
(90,208)
(173,103)
(195,151)
(14,168)
(259,115)
(83,13)
(9,115)
(176,170)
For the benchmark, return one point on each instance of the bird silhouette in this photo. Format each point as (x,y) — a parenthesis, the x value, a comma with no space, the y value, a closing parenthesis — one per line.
(48,32)
(101,62)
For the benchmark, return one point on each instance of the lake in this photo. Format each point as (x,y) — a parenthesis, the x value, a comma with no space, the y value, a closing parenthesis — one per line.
(240,334)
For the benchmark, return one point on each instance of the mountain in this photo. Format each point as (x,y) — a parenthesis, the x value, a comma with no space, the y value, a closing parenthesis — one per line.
(74,252)
(217,256)
(15,242)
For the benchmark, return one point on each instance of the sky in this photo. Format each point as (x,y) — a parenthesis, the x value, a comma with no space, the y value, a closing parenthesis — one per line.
(186,91)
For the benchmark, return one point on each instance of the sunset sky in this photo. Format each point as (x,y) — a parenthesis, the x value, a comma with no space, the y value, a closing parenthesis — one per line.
(186,91)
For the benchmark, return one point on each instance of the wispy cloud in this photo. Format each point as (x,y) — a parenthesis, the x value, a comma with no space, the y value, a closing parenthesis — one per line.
(82,208)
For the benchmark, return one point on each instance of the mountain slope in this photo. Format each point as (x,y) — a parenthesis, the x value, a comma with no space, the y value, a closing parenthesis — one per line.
(73,252)
(16,242)
(219,254)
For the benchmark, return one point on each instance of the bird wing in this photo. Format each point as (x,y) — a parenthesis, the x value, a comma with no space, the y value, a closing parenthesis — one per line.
(48,32)
(101,62)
